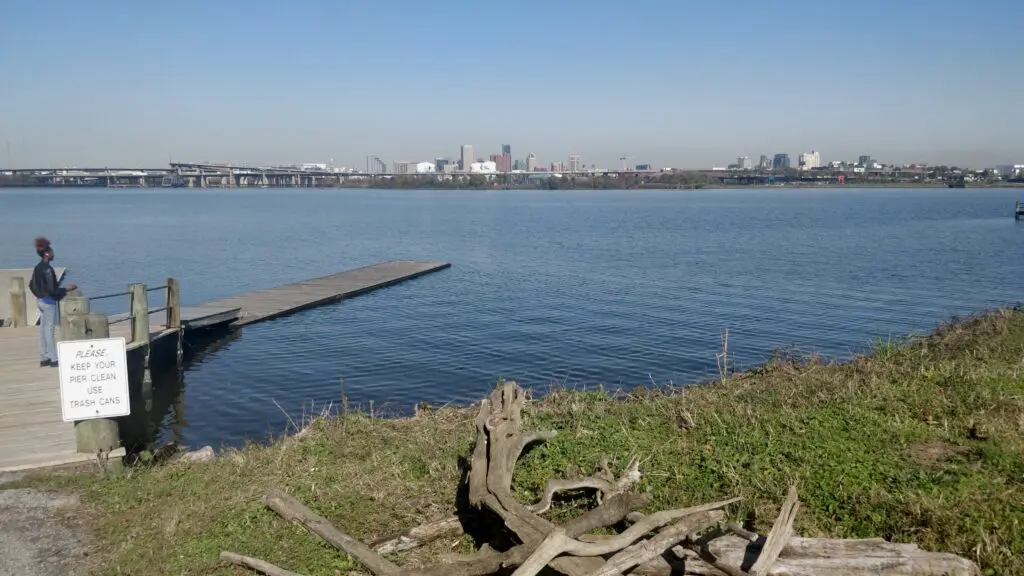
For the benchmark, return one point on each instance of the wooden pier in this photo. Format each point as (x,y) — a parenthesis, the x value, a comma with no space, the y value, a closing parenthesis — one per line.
(32,434)
(263,305)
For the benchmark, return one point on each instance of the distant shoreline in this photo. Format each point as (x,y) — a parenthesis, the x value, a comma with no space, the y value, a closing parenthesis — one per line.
(652,186)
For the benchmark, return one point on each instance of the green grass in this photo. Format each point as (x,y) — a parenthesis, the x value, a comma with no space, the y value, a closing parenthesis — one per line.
(918,441)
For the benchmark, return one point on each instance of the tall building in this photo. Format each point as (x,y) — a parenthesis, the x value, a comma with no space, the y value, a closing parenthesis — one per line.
(765,162)
(506,149)
(502,162)
(780,161)
(519,165)
(866,161)
(531,162)
(809,160)
(574,163)
(440,163)
(466,157)
(744,163)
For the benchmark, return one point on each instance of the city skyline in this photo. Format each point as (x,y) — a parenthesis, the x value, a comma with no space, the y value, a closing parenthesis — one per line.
(590,79)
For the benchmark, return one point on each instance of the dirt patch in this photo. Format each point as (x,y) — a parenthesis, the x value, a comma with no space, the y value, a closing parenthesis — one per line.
(935,452)
(36,537)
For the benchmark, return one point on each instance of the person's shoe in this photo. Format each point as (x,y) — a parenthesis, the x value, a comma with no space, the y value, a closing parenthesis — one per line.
(44,363)
(54,364)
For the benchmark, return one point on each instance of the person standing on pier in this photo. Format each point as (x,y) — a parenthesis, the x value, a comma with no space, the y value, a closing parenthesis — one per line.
(48,292)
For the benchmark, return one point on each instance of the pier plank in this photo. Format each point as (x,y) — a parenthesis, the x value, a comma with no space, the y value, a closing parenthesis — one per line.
(262,305)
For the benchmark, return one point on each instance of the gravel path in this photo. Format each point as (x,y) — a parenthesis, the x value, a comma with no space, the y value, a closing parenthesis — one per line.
(35,539)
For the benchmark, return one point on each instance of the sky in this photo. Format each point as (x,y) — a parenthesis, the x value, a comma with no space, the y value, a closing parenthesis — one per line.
(673,83)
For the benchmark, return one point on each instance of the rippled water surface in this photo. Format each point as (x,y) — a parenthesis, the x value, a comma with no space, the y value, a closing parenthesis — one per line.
(577,288)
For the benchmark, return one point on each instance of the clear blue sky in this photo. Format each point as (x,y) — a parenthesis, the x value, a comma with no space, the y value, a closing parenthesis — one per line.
(674,83)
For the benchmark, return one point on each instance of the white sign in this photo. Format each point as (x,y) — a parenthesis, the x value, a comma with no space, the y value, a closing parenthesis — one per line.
(93,379)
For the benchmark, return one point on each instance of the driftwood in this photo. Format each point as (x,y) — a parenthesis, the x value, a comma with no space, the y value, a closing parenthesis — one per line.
(419,535)
(693,541)
(824,557)
(255,564)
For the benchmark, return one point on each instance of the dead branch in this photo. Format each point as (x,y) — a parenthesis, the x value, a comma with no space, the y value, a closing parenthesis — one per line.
(657,545)
(255,564)
(292,510)
(489,561)
(558,543)
(779,536)
(604,482)
(418,536)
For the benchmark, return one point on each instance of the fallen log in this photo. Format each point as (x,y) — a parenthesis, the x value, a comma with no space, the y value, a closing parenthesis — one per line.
(823,557)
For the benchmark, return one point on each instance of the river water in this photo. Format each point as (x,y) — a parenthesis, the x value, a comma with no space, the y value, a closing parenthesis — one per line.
(580,289)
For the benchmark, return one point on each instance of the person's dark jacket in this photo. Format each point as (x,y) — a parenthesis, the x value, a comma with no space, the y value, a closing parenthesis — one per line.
(44,285)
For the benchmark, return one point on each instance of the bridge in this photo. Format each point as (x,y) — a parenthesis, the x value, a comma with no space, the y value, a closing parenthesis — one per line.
(213,175)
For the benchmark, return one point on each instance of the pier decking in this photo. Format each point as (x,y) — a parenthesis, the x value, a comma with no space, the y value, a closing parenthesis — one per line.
(32,434)
(273,303)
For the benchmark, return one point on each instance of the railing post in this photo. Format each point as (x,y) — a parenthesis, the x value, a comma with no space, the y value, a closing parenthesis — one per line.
(139,309)
(140,329)
(173,304)
(73,310)
(19,303)
(174,317)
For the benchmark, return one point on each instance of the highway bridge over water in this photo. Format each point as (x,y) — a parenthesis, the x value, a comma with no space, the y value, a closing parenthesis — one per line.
(209,175)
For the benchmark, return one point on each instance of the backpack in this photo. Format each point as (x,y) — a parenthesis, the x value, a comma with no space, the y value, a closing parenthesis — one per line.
(32,286)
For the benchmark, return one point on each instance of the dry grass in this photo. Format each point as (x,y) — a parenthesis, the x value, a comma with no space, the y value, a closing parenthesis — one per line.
(915,442)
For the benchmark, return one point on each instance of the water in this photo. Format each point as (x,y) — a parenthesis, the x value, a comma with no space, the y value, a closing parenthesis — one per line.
(576,288)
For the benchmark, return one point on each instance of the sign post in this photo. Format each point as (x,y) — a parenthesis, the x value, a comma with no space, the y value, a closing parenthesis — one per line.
(93,379)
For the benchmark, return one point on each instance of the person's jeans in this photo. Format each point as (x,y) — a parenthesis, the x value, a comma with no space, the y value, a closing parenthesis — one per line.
(48,318)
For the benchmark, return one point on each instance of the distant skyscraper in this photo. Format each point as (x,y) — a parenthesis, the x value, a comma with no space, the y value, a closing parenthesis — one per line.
(506,149)
(866,161)
(780,161)
(765,162)
(574,163)
(440,163)
(531,162)
(743,163)
(466,158)
(809,160)
(502,162)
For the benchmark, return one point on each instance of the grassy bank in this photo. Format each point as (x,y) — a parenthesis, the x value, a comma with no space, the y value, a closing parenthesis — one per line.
(918,443)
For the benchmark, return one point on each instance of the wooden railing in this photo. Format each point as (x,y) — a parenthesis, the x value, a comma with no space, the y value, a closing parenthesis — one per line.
(138,306)
(139,310)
